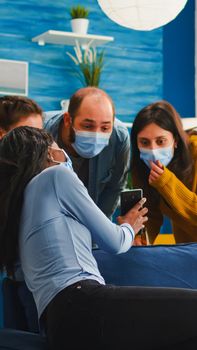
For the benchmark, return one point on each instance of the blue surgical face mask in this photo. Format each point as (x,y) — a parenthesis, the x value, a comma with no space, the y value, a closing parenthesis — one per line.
(164,155)
(88,144)
(67,163)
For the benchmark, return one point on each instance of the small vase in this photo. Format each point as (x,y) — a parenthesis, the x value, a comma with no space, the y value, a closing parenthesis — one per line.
(64,104)
(80,25)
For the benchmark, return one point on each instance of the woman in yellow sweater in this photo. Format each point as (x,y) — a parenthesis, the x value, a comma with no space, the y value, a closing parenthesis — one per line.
(164,164)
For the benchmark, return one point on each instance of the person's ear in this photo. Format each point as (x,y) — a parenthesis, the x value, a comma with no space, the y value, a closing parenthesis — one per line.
(50,155)
(175,143)
(67,120)
(2,133)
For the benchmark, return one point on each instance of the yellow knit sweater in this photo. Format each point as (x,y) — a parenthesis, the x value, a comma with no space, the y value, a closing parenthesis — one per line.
(177,202)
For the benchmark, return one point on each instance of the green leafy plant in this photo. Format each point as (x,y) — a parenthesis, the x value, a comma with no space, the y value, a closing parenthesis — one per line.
(89,64)
(79,12)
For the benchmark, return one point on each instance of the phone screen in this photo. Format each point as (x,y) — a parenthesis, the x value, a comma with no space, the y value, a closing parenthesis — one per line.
(129,198)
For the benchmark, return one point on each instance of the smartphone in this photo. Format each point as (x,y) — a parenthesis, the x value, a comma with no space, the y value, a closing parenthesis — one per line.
(129,198)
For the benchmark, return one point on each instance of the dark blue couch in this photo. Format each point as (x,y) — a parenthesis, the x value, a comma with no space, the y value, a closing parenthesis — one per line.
(164,265)
(157,265)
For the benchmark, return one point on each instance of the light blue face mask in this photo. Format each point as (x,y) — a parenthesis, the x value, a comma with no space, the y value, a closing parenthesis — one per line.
(164,154)
(68,161)
(88,143)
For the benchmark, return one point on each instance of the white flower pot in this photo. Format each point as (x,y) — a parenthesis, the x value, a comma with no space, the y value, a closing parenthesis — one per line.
(64,104)
(80,25)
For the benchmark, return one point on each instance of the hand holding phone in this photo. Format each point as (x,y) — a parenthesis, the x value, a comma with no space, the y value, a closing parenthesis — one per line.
(129,198)
(132,211)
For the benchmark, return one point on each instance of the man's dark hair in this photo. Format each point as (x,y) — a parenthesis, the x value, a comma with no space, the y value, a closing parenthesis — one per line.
(23,154)
(13,108)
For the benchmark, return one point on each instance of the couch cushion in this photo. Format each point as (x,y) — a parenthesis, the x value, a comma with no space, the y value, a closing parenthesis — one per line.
(19,308)
(159,265)
(18,340)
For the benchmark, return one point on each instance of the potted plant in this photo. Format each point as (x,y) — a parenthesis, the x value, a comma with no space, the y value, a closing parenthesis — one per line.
(79,21)
(89,64)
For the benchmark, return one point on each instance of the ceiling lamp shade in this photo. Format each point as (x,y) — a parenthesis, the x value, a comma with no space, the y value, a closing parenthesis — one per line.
(142,14)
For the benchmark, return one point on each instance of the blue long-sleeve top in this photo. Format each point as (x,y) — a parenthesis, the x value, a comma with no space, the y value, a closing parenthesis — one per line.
(58,223)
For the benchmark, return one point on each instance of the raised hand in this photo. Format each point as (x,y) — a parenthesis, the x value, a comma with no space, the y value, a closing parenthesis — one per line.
(156,171)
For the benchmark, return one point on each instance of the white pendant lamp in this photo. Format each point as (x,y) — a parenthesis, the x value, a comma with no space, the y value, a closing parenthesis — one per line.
(142,14)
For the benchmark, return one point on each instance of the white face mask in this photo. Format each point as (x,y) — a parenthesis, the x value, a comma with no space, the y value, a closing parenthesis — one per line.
(164,155)
(88,143)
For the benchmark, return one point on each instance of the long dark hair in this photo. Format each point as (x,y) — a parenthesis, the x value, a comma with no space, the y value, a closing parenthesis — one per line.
(166,117)
(23,154)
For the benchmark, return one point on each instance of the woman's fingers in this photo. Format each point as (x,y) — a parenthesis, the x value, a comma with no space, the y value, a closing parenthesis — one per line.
(136,216)
(139,204)
(159,164)
(143,211)
(157,167)
(154,174)
(139,223)
(156,171)
(152,178)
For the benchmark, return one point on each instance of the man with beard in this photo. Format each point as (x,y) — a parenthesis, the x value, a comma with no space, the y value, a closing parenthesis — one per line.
(97,143)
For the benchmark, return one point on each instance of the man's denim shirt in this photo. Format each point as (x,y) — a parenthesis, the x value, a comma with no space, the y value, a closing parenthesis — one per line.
(108,171)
